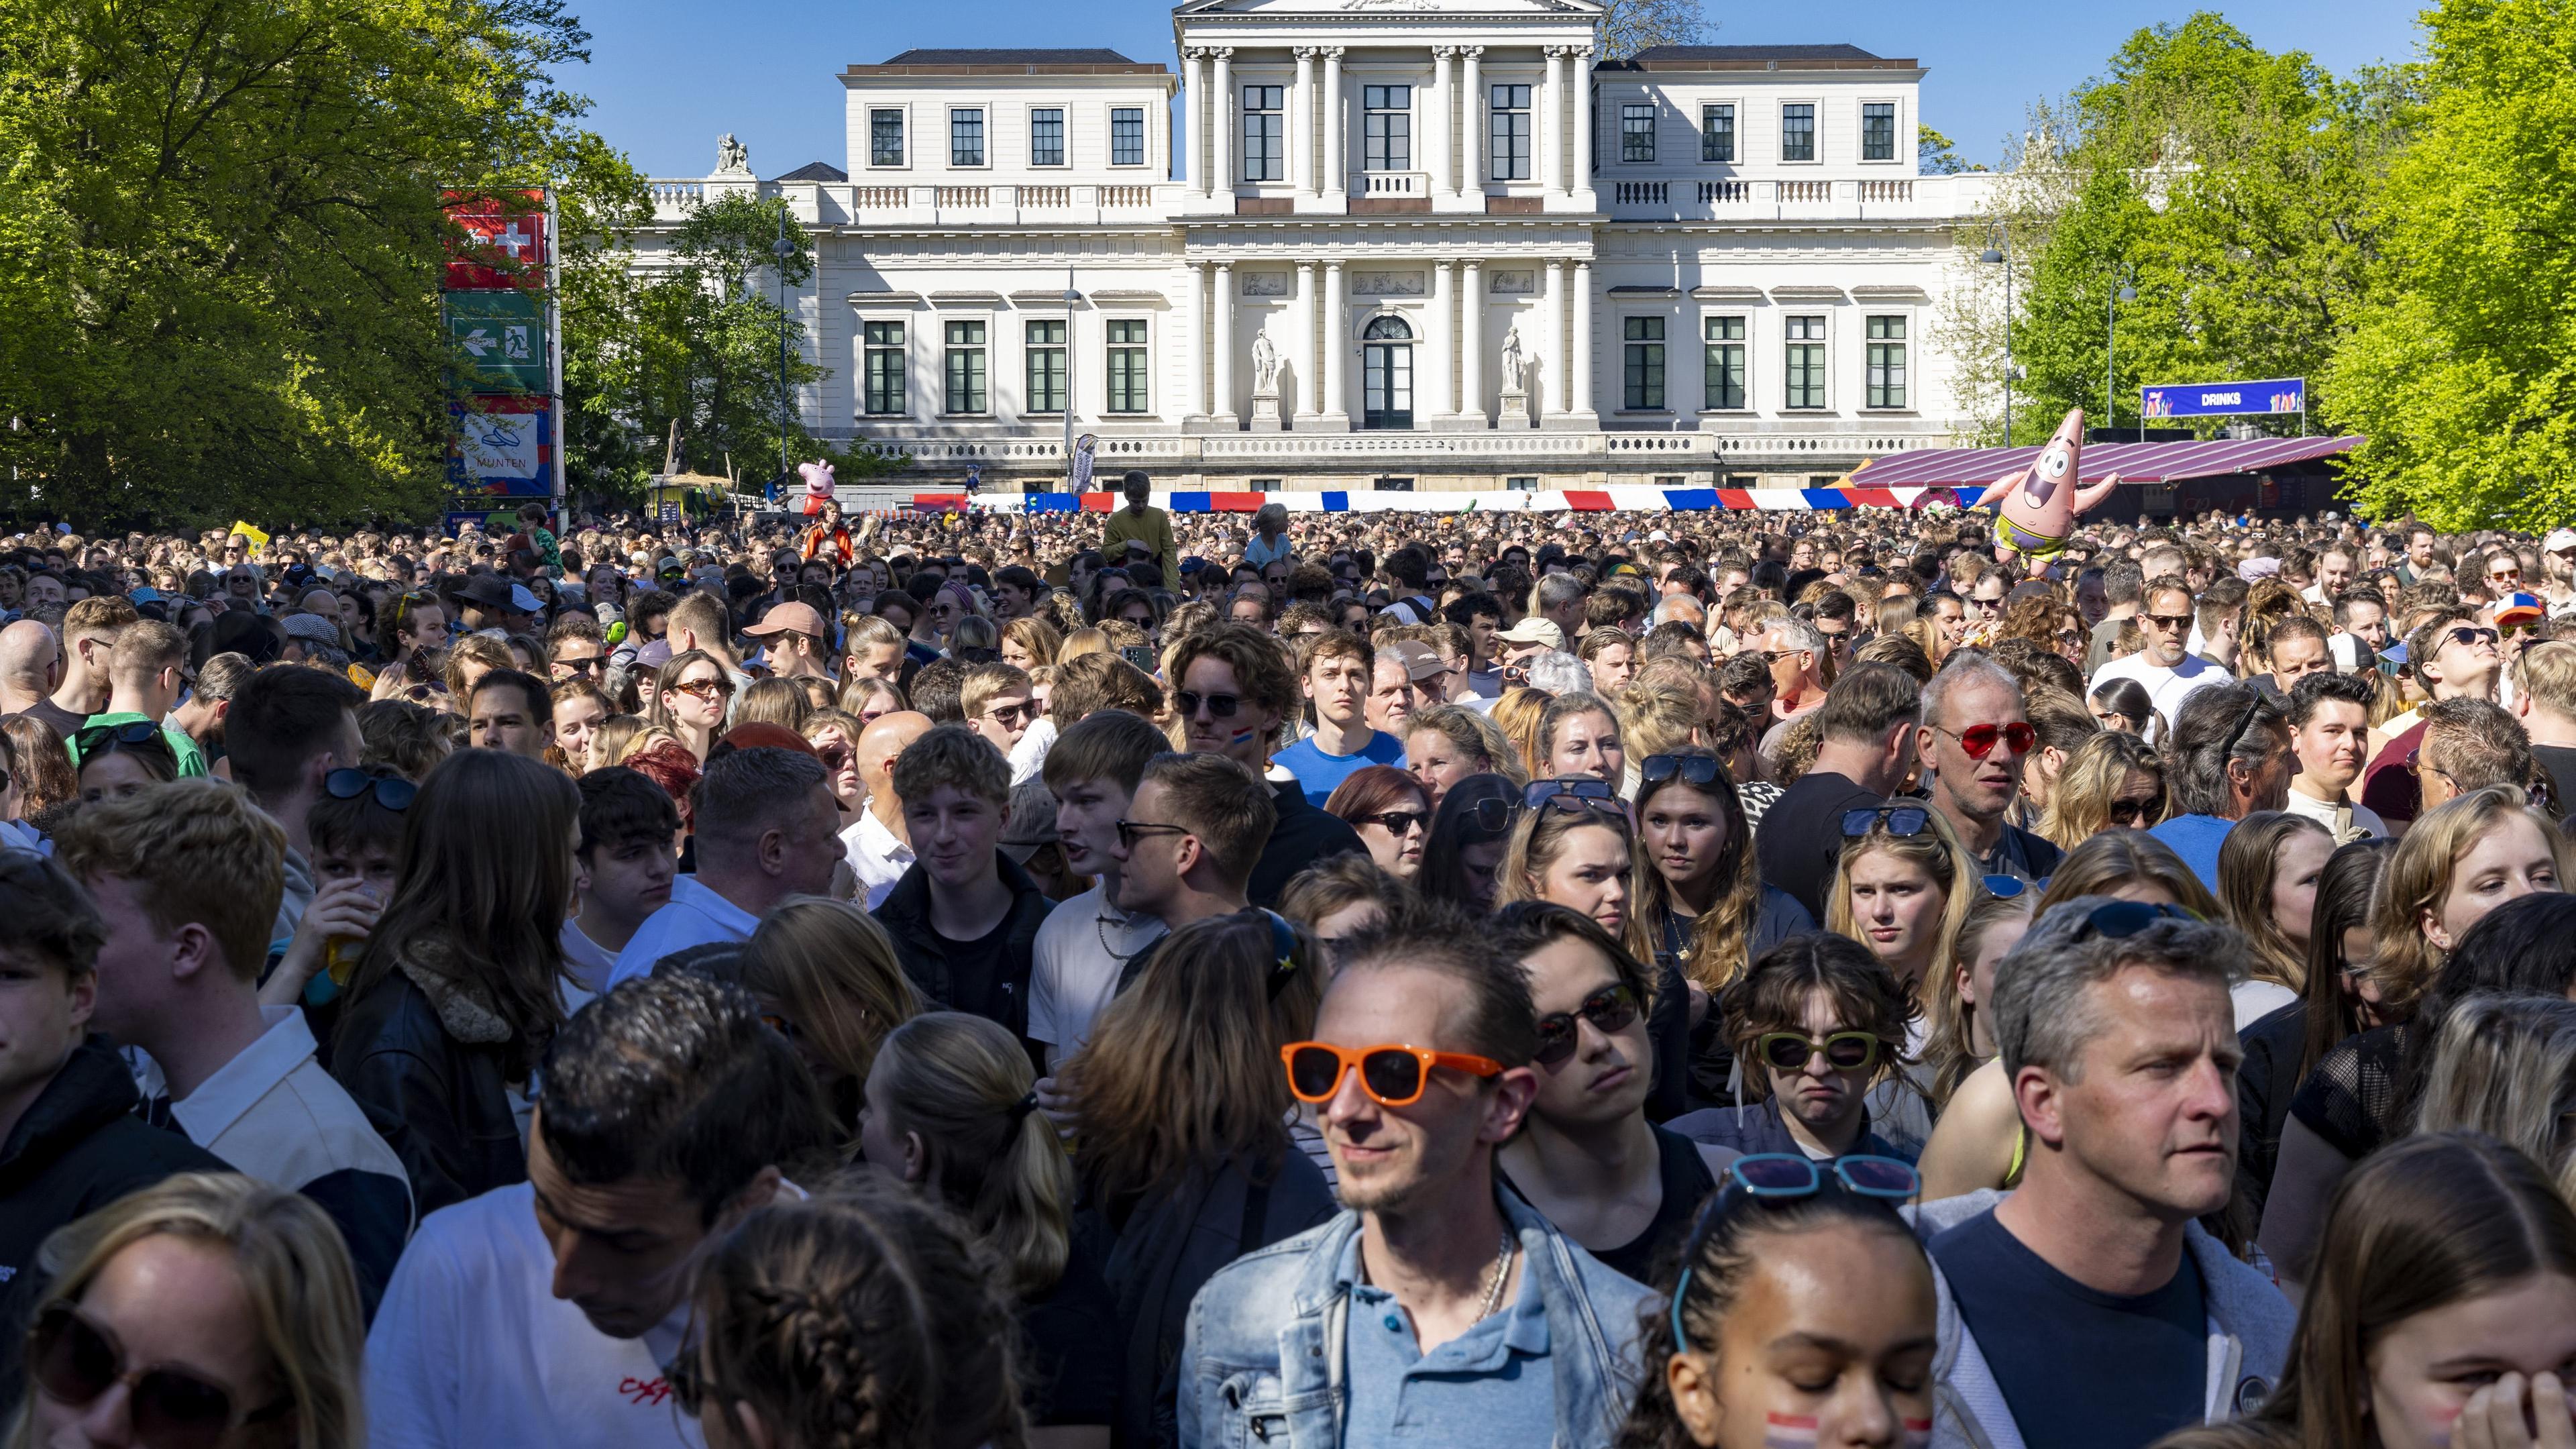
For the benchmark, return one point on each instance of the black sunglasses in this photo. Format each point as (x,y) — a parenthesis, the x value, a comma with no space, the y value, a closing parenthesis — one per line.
(75,1361)
(1609,1009)
(1697,771)
(1395,822)
(392,791)
(2120,920)
(1894,819)
(1221,706)
(132,732)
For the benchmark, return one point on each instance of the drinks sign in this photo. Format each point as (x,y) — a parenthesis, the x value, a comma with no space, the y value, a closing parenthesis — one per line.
(2225,399)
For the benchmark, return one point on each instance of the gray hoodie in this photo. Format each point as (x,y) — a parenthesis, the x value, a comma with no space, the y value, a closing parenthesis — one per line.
(2249,1337)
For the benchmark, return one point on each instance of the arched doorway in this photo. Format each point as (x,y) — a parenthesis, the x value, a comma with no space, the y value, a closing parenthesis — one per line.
(1386,372)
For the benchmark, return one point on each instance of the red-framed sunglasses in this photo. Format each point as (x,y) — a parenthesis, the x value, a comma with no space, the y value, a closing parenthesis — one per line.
(1980,740)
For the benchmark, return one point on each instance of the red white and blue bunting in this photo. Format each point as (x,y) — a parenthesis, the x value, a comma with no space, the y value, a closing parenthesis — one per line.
(1624,499)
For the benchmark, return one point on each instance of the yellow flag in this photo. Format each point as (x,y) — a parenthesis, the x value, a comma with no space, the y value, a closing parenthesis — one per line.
(244,530)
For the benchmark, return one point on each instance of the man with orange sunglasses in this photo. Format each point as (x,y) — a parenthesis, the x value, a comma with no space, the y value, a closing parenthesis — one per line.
(1431,1298)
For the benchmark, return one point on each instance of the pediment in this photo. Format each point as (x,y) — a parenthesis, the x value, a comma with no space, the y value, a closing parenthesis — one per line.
(1424,8)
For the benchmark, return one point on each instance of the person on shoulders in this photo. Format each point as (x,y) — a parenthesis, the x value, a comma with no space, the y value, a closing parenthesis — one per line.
(1336,671)
(2098,1310)
(186,875)
(1139,523)
(766,828)
(547,1312)
(1432,1297)
(965,917)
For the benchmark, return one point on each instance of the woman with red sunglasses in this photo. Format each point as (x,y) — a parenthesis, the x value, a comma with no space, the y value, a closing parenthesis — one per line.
(1586,1156)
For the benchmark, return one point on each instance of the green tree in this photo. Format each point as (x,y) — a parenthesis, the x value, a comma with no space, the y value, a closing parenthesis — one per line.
(2462,368)
(1629,26)
(1937,155)
(220,244)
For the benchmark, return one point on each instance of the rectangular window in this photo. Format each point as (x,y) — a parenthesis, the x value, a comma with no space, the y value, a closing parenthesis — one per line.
(1723,363)
(1510,109)
(1878,131)
(1046,365)
(966,367)
(882,344)
(1717,133)
(885,138)
(1803,364)
(1887,362)
(1645,341)
(1265,135)
(1390,127)
(1127,390)
(965,138)
(1637,133)
(1798,132)
(1046,137)
(1127,136)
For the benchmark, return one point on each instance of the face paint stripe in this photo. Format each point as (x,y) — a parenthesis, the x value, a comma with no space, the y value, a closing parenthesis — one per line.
(1789,1431)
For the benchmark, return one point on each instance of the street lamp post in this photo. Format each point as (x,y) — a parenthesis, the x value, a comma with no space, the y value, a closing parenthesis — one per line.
(1071,299)
(2111,350)
(782,249)
(1995,256)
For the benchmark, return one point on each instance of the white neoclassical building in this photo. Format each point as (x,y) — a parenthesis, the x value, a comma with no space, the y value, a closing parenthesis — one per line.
(1426,244)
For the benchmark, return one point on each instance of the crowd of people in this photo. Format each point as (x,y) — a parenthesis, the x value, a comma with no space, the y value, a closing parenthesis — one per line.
(963,982)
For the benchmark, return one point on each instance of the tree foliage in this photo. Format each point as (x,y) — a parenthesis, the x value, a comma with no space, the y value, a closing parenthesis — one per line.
(1629,26)
(2462,367)
(221,241)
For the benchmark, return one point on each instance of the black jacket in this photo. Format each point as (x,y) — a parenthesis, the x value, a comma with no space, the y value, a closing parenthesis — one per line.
(442,1102)
(79,1147)
(1303,836)
(1001,992)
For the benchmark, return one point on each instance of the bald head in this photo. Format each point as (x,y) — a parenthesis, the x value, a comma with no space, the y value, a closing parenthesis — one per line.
(884,738)
(31,661)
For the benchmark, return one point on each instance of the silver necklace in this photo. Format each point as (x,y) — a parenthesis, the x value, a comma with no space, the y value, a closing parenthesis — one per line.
(1502,1270)
(1100,925)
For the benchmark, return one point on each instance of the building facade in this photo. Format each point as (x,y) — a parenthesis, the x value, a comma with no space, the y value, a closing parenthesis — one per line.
(1424,244)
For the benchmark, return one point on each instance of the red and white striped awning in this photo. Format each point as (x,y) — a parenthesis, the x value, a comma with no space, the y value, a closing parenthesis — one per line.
(2134,462)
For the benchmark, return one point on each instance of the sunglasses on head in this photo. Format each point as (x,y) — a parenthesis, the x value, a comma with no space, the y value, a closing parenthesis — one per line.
(1572,788)
(1979,740)
(392,791)
(1892,819)
(2119,920)
(1219,706)
(1782,1177)
(75,1361)
(1612,1008)
(1392,1075)
(1697,771)
(132,732)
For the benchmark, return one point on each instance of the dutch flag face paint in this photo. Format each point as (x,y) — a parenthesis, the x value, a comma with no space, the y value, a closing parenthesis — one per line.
(1789,1431)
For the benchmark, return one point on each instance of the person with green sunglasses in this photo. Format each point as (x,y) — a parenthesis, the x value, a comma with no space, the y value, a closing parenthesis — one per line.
(1815,1024)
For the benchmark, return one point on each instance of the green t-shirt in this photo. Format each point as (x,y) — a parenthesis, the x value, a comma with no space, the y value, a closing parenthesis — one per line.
(192,761)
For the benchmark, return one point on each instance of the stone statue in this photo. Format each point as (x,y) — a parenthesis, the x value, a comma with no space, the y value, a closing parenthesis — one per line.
(731,155)
(1515,367)
(1265,364)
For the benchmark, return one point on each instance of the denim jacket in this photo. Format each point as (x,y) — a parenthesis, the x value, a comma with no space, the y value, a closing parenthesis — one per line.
(1264,1360)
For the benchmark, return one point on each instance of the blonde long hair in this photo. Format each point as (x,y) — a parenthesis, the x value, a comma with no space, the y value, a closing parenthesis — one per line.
(1937,850)
(965,1085)
(1538,838)
(832,970)
(2080,807)
(2419,876)
(294,1270)
(2506,1065)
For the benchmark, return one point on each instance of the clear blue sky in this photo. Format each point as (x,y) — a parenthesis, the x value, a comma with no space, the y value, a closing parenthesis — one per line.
(669,77)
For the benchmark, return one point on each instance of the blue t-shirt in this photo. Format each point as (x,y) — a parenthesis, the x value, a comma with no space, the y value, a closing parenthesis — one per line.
(2196,839)
(1489,1388)
(2077,1366)
(1319,773)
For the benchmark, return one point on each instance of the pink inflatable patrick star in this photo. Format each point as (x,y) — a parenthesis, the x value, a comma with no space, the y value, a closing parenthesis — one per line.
(2037,507)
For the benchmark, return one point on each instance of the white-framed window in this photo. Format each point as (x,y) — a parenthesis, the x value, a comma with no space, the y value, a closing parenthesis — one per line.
(1878,130)
(966,136)
(1388,126)
(1802,361)
(1508,110)
(1637,132)
(1127,135)
(1642,341)
(881,364)
(964,366)
(1265,133)
(1717,132)
(1886,380)
(1128,372)
(885,137)
(1046,364)
(1798,130)
(1722,383)
(1046,136)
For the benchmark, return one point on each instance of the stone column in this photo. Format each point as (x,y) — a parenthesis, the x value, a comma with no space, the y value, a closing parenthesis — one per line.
(1471,340)
(1221,338)
(1336,134)
(1221,124)
(1581,370)
(1552,398)
(1336,346)
(1310,303)
(1551,122)
(1471,115)
(1443,169)
(1197,392)
(1432,363)
(1194,111)
(1304,164)
(1579,61)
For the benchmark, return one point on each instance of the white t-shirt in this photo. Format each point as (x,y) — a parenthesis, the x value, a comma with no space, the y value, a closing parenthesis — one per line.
(876,857)
(1082,947)
(2255,1000)
(2166,688)
(472,1349)
(591,964)
(694,916)
(2323,812)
